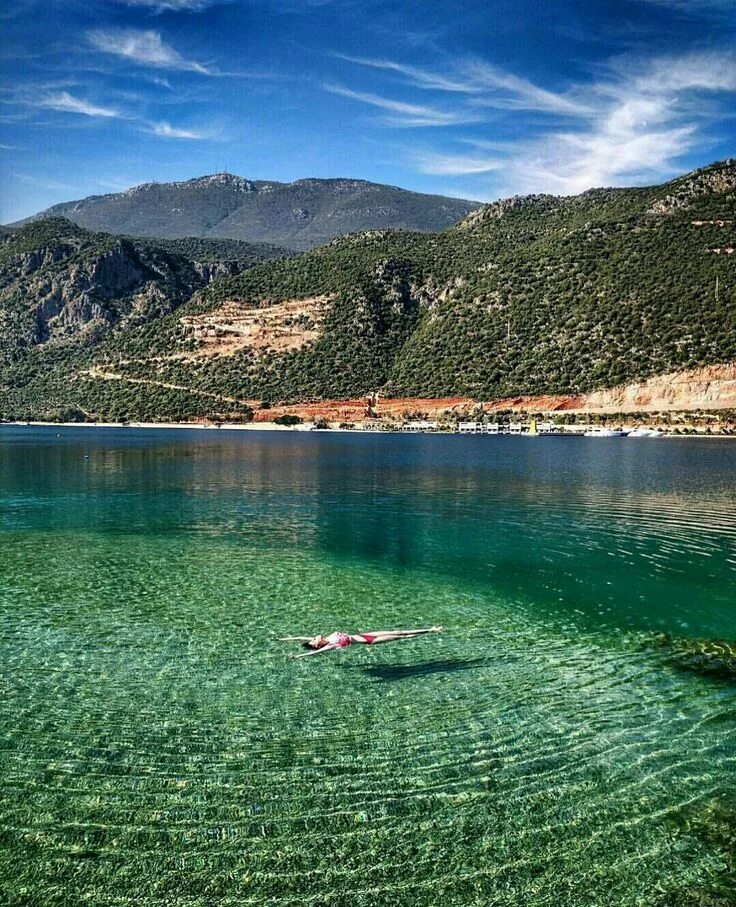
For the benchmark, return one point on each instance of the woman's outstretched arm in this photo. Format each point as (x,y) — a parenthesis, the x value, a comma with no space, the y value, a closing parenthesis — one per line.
(319,651)
(294,638)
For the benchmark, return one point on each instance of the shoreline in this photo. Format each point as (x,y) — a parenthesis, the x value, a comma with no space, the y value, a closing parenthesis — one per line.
(310,427)
(197,426)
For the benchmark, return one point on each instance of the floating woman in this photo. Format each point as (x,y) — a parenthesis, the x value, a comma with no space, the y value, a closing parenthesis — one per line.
(339,640)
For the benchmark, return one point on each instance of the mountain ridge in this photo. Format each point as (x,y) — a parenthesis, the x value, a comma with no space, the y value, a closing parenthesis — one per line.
(297,215)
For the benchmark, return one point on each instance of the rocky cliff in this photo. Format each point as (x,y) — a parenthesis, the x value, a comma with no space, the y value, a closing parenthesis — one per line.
(60,283)
(709,388)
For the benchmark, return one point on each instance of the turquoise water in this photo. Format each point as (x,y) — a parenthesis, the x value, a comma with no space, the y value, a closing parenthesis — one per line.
(159,748)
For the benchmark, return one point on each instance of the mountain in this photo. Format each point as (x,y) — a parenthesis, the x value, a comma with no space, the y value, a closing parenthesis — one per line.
(530,295)
(297,215)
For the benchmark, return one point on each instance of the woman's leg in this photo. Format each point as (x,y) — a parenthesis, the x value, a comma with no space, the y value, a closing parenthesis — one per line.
(391,635)
(403,634)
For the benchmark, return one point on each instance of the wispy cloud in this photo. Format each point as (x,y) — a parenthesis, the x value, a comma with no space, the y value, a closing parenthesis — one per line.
(633,126)
(643,121)
(175,6)
(695,6)
(457,164)
(116,184)
(67,103)
(167,131)
(508,91)
(489,85)
(406,114)
(145,47)
(420,77)
(695,71)
(43,183)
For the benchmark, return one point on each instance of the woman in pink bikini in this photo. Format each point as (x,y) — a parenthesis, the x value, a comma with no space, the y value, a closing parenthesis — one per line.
(338,640)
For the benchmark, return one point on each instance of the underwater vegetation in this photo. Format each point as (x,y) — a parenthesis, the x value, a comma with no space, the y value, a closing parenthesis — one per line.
(710,657)
(713,824)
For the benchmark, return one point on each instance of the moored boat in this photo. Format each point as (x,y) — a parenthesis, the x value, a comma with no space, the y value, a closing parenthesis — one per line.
(600,432)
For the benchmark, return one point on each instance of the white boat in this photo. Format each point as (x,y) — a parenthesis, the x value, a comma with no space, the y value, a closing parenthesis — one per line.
(645,433)
(600,432)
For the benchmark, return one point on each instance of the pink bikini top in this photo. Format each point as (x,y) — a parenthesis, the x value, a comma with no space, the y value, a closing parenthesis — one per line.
(339,639)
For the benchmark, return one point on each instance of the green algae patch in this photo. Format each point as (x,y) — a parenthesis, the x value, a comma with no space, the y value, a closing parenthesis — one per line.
(713,825)
(714,658)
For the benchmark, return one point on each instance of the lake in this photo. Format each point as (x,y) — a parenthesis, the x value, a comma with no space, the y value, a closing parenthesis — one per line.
(552,747)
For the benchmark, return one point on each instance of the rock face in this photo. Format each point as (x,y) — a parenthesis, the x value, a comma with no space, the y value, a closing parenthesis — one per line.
(69,297)
(499,209)
(712,387)
(210,271)
(296,215)
(719,177)
(74,285)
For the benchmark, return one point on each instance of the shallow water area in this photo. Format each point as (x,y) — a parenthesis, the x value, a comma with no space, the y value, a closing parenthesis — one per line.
(159,748)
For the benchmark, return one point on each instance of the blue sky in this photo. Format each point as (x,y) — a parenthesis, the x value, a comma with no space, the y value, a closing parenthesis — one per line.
(472,99)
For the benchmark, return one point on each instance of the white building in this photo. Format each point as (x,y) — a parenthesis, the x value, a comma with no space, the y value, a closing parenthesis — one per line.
(478,428)
(419,425)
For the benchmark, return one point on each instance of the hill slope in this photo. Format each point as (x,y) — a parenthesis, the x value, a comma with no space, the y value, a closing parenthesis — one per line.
(297,215)
(534,295)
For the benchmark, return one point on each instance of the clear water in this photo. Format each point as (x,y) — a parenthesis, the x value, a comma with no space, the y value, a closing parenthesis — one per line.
(158,748)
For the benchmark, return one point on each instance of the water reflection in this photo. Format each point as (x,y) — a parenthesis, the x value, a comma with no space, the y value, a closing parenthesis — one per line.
(614,532)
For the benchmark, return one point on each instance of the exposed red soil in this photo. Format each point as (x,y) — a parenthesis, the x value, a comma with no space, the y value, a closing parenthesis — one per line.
(359,410)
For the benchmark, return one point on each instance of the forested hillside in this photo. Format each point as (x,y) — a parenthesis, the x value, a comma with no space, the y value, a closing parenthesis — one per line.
(528,295)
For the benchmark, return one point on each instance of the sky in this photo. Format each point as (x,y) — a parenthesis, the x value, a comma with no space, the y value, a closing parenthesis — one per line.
(475,100)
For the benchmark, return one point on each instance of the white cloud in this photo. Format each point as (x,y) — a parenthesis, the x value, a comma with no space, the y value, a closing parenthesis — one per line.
(507,91)
(175,6)
(420,77)
(165,130)
(491,86)
(457,164)
(144,47)
(706,71)
(696,6)
(116,184)
(630,128)
(642,122)
(406,114)
(67,103)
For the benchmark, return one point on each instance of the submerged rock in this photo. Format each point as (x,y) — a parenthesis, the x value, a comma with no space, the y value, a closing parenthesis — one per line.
(711,657)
